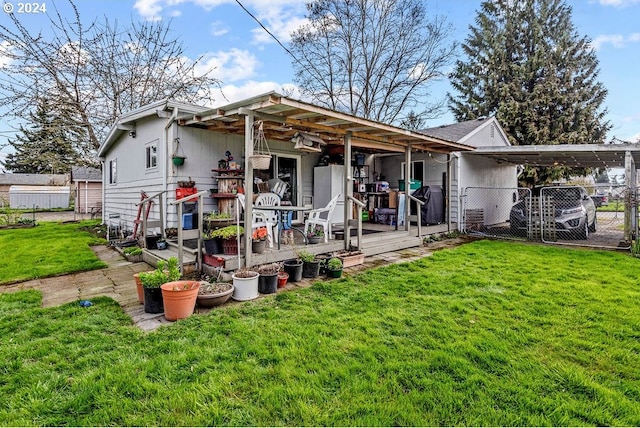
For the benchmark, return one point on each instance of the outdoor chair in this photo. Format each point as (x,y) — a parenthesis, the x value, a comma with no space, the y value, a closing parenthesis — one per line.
(260,220)
(321,217)
(269,216)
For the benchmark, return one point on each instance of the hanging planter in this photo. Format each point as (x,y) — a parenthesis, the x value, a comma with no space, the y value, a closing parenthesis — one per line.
(261,157)
(178,157)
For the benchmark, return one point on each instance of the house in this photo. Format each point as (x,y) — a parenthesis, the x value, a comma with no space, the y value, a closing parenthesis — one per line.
(212,150)
(34,190)
(87,189)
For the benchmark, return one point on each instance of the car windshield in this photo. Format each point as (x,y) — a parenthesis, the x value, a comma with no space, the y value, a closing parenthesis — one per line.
(565,194)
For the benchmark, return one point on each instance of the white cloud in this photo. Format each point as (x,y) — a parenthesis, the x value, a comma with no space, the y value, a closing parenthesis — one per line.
(229,66)
(233,93)
(616,40)
(219,28)
(618,3)
(149,9)
(5,58)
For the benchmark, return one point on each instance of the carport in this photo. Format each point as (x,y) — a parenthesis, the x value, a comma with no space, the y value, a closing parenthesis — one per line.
(624,155)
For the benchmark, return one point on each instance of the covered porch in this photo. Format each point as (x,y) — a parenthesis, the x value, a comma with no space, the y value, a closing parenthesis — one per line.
(284,120)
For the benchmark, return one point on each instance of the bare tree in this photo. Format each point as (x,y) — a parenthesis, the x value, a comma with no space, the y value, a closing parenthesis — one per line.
(374,59)
(96,71)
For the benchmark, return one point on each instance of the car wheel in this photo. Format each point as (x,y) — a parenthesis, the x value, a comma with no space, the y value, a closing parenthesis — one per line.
(594,224)
(584,233)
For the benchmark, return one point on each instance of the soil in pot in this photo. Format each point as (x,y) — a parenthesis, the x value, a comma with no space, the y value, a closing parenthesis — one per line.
(311,269)
(294,269)
(211,295)
(153,300)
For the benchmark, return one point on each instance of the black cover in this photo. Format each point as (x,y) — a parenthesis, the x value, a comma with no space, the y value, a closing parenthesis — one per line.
(433,208)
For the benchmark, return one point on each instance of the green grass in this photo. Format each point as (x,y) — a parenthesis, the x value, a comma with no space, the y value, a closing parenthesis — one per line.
(612,206)
(489,333)
(47,249)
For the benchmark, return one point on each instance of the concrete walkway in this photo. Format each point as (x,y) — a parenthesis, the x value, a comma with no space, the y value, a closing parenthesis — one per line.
(116,281)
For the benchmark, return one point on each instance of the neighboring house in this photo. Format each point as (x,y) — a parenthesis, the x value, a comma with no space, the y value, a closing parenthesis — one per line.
(87,189)
(29,190)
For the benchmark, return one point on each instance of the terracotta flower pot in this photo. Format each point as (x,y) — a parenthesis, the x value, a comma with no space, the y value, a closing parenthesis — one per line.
(139,287)
(282,279)
(179,298)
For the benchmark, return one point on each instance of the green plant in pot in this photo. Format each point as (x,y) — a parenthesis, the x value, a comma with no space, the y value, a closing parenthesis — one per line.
(229,236)
(310,264)
(334,267)
(151,281)
(133,254)
(315,234)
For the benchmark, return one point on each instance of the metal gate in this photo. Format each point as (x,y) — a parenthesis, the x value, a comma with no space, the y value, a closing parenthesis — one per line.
(571,215)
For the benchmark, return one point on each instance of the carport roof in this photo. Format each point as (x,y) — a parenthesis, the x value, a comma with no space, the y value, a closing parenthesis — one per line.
(572,155)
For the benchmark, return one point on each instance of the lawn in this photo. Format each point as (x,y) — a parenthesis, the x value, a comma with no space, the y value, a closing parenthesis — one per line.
(489,333)
(49,249)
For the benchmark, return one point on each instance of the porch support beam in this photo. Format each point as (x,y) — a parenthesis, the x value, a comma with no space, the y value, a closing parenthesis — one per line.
(631,209)
(248,187)
(407,187)
(348,190)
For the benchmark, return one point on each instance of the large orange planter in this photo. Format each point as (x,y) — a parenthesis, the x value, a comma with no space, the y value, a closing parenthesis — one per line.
(179,299)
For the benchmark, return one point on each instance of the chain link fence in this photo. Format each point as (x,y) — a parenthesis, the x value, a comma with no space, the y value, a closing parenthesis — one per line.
(576,215)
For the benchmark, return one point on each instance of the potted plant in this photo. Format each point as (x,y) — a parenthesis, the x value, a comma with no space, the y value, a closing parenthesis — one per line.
(334,267)
(133,254)
(259,240)
(315,235)
(211,295)
(282,279)
(268,280)
(310,265)
(151,281)
(217,220)
(245,284)
(351,258)
(229,236)
(212,244)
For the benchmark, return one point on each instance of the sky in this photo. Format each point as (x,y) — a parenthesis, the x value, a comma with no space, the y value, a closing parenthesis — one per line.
(248,61)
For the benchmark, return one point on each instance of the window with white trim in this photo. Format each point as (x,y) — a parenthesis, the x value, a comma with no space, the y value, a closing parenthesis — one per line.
(151,155)
(113,168)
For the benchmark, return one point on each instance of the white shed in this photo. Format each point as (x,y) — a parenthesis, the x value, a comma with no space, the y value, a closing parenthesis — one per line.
(39,196)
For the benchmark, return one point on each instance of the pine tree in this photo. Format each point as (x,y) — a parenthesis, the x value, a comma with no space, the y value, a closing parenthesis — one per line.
(45,145)
(527,65)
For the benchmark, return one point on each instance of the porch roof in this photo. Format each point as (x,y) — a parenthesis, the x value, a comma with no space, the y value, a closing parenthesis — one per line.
(282,117)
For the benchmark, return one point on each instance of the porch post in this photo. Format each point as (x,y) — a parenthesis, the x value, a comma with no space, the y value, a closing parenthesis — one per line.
(248,187)
(407,187)
(447,200)
(348,189)
(630,209)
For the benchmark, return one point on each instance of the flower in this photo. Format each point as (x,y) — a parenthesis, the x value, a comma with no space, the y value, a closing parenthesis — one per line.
(317,231)
(260,234)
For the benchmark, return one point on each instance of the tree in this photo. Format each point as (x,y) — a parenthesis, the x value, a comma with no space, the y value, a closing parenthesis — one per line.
(374,59)
(98,71)
(526,64)
(46,146)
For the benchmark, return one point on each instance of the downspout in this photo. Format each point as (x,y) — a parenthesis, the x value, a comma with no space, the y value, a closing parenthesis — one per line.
(103,191)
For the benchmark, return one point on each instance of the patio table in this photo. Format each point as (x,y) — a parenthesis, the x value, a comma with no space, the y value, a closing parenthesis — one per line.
(283,211)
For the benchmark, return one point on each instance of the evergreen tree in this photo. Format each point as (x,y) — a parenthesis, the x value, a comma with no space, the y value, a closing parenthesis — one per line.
(526,64)
(45,145)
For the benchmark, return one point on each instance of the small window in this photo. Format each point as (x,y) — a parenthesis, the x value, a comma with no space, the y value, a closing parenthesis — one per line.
(151,155)
(113,167)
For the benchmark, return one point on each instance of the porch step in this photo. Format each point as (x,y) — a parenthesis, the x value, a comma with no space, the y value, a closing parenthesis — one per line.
(371,246)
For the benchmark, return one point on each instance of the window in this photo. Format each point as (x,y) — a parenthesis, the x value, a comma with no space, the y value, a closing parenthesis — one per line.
(151,155)
(112,171)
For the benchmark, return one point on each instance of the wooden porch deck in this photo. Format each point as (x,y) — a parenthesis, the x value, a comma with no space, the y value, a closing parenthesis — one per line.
(376,239)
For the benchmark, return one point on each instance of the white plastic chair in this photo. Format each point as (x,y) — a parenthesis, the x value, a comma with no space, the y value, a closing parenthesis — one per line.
(322,217)
(259,220)
(269,216)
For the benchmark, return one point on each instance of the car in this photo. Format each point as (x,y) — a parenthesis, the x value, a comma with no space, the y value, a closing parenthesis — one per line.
(600,200)
(574,212)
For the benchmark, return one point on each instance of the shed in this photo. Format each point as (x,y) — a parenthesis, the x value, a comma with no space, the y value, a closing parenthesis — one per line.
(18,179)
(87,189)
(39,196)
